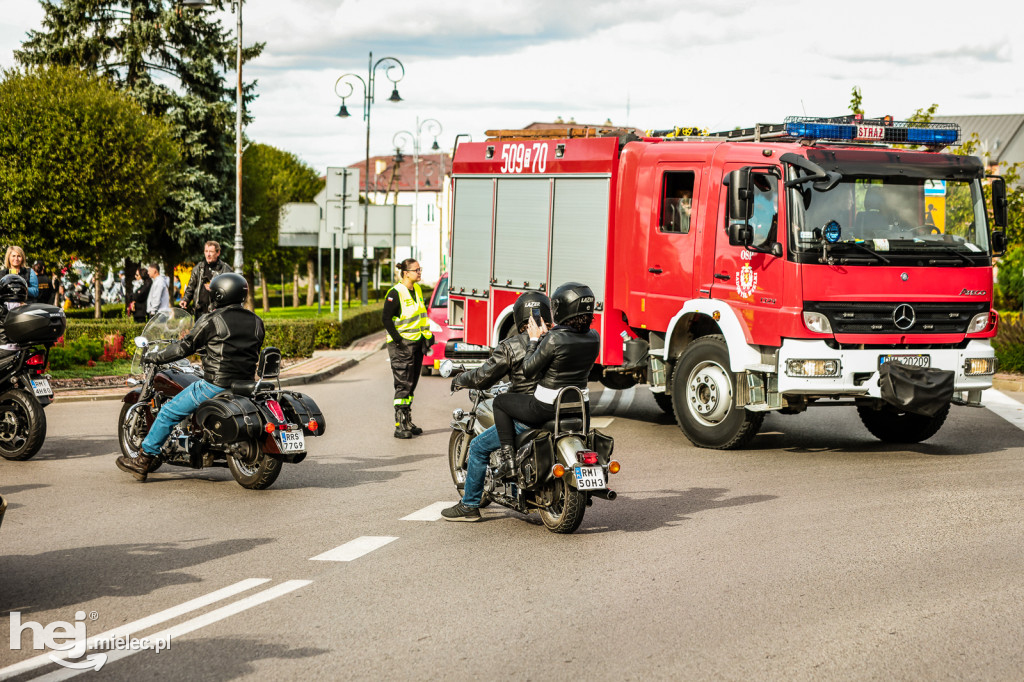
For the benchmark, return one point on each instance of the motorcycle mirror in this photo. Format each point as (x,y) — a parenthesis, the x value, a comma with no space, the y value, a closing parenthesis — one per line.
(141,342)
(446,368)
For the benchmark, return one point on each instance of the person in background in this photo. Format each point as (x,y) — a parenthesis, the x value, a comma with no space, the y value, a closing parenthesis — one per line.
(409,337)
(140,295)
(49,285)
(14,264)
(197,293)
(177,290)
(157,299)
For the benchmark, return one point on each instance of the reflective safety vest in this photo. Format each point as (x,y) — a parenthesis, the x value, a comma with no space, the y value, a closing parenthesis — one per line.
(412,323)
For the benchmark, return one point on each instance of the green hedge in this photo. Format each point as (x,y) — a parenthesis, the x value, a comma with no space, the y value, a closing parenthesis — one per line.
(1009,343)
(109,311)
(295,338)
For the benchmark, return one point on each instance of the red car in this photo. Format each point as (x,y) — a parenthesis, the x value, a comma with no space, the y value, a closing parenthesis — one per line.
(437,312)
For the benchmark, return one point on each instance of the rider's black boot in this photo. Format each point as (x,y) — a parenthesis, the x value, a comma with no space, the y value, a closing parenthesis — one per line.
(506,457)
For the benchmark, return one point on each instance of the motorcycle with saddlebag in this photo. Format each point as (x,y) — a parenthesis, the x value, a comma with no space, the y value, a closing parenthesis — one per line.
(252,429)
(24,389)
(557,469)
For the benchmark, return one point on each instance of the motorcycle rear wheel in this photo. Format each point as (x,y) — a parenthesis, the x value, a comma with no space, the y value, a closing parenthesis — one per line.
(251,468)
(132,430)
(565,514)
(22,425)
(457,468)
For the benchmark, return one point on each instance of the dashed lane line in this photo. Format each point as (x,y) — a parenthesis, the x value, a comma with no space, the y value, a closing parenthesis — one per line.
(1004,406)
(431,513)
(192,625)
(354,549)
(138,625)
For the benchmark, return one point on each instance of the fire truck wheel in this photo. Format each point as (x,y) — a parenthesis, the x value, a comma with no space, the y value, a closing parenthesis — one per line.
(703,400)
(891,426)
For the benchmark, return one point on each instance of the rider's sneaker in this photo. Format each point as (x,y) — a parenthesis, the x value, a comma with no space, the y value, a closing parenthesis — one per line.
(461,512)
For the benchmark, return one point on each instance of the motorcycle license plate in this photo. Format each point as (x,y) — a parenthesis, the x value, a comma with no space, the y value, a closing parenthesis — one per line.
(293,441)
(589,478)
(912,360)
(42,388)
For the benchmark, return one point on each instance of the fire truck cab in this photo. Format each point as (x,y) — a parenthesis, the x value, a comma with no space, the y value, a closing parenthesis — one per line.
(782,267)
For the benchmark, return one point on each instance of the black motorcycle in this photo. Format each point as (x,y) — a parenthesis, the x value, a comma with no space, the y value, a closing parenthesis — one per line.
(252,429)
(557,469)
(24,388)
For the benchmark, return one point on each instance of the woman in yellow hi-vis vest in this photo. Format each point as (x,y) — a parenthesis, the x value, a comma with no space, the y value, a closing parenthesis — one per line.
(409,337)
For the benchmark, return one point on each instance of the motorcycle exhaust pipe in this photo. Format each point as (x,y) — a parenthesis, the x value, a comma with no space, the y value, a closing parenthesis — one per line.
(605,494)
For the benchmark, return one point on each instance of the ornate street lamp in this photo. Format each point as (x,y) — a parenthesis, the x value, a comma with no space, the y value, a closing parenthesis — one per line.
(348,80)
(433,128)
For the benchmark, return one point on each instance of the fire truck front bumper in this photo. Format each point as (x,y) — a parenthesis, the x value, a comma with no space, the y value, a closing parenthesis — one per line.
(810,367)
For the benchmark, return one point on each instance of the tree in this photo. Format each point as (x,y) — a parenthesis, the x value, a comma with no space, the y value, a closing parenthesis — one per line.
(83,169)
(856,101)
(173,62)
(273,178)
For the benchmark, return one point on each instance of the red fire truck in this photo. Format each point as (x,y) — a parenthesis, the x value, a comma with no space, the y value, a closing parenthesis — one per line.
(838,261)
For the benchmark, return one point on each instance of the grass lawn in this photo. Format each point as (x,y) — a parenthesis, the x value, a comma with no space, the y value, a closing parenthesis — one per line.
(100,369)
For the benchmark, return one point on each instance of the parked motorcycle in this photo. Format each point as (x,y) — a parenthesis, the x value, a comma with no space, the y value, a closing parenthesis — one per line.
(252,429)
(558,468)
(24,389)
(79,294)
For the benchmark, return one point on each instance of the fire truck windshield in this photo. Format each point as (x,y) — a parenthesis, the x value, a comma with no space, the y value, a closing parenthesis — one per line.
(901,218)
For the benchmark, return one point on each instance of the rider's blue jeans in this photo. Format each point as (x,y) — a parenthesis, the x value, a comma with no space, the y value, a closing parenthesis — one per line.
(480,449)
(176,409)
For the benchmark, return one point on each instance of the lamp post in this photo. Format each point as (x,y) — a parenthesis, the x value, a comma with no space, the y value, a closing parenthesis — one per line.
(433,128)
(236,6)
(347,79)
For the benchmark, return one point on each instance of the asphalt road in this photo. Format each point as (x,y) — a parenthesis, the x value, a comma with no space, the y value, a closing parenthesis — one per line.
(819,554)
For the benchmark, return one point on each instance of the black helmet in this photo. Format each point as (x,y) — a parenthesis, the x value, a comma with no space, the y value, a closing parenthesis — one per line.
(525,305)
(13,289)
(227,289)
(572,299)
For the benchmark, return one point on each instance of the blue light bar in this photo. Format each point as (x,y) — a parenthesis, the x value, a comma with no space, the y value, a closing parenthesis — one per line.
(821,131)
(944,136)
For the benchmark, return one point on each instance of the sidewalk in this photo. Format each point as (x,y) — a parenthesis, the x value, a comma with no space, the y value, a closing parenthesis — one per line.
(323,365)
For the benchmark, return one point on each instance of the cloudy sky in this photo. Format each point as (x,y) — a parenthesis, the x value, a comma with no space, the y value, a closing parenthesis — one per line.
(474,65)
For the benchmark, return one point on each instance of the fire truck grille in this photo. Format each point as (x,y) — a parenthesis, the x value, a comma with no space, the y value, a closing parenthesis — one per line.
(896,318)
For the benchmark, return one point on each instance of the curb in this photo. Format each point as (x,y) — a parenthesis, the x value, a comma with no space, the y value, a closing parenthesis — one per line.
(299,380)
(1015,384)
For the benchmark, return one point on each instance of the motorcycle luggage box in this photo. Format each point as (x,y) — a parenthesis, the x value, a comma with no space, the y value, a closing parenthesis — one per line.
(535,458)
(299,409)
(34,323)
(230,418)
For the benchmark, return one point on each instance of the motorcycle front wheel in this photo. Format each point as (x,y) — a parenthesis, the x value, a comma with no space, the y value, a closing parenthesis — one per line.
(564,514)
(458,461)
(251,468)
(22,425)
(132,429)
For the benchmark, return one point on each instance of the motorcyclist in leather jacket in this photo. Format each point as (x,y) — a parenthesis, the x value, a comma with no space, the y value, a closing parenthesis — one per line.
(506,360)
(562,357)
(232,337)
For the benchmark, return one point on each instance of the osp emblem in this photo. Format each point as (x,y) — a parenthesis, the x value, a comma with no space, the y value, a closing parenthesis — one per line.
(746,281)
(903,316)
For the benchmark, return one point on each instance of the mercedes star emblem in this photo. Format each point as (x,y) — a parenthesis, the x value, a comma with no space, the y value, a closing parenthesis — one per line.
(903,316)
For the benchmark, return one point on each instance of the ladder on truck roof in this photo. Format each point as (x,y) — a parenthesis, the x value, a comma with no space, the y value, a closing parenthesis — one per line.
(557,133)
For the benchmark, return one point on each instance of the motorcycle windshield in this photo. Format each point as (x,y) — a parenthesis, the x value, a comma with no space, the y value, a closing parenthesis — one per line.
(166,327)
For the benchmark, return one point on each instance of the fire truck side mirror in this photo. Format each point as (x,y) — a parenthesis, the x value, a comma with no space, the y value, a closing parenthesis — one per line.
(741,196)
(740,234)
(998,243)
(998,201)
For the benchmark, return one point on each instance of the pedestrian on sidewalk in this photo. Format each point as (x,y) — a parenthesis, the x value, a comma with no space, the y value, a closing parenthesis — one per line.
(158,299)
(197,293)
(409,337)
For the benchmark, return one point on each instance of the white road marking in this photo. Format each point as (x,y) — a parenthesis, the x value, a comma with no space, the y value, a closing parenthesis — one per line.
(355,549)
(139,625)
(602,400)
(601,422)
(1005,406)
(188,626)
(431,513)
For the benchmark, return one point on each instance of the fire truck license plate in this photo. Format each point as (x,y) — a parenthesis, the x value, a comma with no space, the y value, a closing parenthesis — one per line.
(42,387)
(589,478)
(293,441)
(912,360)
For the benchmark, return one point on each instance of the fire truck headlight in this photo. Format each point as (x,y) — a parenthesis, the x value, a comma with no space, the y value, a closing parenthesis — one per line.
(978,323)
(817,322)
(434,327)
(813,368)
(975,366)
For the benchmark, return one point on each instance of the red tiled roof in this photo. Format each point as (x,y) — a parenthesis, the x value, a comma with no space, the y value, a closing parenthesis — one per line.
(432,169)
